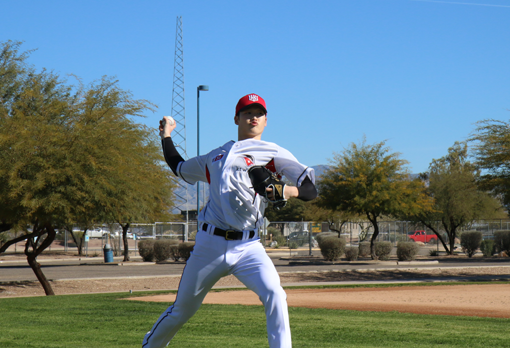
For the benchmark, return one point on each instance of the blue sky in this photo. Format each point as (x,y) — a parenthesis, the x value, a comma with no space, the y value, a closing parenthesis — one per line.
(418,74)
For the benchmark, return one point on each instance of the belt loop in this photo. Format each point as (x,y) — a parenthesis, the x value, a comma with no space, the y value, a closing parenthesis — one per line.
(249,235)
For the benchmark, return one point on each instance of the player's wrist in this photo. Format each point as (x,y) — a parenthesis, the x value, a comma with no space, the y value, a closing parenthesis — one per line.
(290,191)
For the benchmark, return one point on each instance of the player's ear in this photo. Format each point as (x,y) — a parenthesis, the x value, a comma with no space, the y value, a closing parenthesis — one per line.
(236,120)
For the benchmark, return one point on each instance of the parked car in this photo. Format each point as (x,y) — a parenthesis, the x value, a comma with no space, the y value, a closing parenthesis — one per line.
(95,232)
(422,236)
(300,238)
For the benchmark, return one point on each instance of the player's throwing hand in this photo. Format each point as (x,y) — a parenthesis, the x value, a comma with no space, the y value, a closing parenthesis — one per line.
(166,126)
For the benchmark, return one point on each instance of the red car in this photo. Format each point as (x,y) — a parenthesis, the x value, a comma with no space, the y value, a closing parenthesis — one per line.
(422,236)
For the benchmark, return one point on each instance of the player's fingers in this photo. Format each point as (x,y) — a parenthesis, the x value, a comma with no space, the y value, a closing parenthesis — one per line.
(166,126)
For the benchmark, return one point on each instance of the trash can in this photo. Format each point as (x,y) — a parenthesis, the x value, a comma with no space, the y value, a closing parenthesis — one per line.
(108,253)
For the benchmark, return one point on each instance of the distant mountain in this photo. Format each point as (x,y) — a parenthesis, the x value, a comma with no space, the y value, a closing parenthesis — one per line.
(320,169)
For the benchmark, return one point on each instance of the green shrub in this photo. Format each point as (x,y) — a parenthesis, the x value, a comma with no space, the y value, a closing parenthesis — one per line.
(487,247)
(364,249)
(323,235)
(332,248)
(407,251)
(502,241)
(433,253)
(470,242)
(281,240)
(175,254)
(163,249)
(293,245)
(185,250)
(383,250)
(274,231)
(351,253)
(146,249)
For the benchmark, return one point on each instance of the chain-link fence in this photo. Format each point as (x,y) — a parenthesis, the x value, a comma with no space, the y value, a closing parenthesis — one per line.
(279,233)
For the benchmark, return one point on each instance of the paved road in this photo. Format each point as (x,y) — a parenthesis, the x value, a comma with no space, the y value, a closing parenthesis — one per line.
(95,268)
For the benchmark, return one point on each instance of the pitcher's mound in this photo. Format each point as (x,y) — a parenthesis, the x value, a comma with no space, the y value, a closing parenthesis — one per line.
(471,300)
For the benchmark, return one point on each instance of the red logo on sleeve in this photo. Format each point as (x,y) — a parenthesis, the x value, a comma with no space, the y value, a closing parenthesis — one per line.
(248,161)
(272,167)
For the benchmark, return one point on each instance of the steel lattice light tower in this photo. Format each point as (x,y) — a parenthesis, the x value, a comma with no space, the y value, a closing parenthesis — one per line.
(178,106)
(179,115)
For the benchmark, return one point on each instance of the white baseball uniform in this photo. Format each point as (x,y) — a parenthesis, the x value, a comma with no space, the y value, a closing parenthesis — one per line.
(233,209)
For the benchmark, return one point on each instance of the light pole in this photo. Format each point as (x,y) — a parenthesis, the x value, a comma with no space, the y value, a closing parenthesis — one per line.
(199,88)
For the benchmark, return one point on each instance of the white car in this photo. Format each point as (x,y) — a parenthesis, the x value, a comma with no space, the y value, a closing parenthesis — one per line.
(95,232)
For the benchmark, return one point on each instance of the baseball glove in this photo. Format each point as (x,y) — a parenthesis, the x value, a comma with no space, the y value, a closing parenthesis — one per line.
(261,179)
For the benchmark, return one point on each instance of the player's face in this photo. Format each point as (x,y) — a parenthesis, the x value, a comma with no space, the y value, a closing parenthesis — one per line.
(251,122)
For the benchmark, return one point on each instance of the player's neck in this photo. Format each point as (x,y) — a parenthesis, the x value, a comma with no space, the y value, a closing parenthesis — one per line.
(245,137)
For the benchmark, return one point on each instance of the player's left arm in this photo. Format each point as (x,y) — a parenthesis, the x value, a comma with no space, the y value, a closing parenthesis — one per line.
(303,176)
(306,192)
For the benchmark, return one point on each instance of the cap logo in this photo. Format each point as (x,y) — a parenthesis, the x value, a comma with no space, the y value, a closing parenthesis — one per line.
(253,97)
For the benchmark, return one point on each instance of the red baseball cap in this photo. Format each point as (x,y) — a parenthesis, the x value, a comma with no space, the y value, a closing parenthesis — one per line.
(248,100)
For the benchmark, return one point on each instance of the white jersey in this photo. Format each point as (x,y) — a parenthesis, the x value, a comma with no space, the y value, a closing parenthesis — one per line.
(233,204)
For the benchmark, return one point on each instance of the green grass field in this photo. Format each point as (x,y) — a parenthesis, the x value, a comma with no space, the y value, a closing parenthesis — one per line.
(97,321)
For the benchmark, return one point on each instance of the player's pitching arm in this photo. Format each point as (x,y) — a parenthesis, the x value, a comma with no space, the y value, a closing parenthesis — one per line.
(172,157)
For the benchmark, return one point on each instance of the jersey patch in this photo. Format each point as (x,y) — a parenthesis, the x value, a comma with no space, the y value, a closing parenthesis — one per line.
(248,161)
(272,167)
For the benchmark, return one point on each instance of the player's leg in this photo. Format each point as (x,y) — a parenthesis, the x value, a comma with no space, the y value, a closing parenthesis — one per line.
(203,269)
(256,270)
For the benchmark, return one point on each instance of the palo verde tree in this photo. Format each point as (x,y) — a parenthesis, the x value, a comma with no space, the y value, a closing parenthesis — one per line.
(31,127)
(491,150)
(63,155)
(136,185)
(335,219)
(369,180)
(452,184)
(142,191)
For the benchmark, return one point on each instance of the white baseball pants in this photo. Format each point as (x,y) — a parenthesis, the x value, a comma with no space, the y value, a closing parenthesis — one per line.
(214,257)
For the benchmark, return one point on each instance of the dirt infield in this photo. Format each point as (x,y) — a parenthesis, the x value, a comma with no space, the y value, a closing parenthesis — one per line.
(488,300)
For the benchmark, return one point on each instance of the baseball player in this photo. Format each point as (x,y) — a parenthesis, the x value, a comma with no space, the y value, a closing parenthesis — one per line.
(228,241)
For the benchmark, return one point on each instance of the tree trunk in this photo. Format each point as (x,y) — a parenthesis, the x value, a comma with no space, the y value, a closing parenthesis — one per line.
(374,236)
(452,234)
(451,231)
(125,229)
(339,230)
(82,242)
(37,248)
(439,237)
(36,267)
(78,242)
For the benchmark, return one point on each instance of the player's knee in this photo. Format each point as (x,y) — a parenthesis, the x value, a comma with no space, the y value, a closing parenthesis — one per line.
(273,294)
